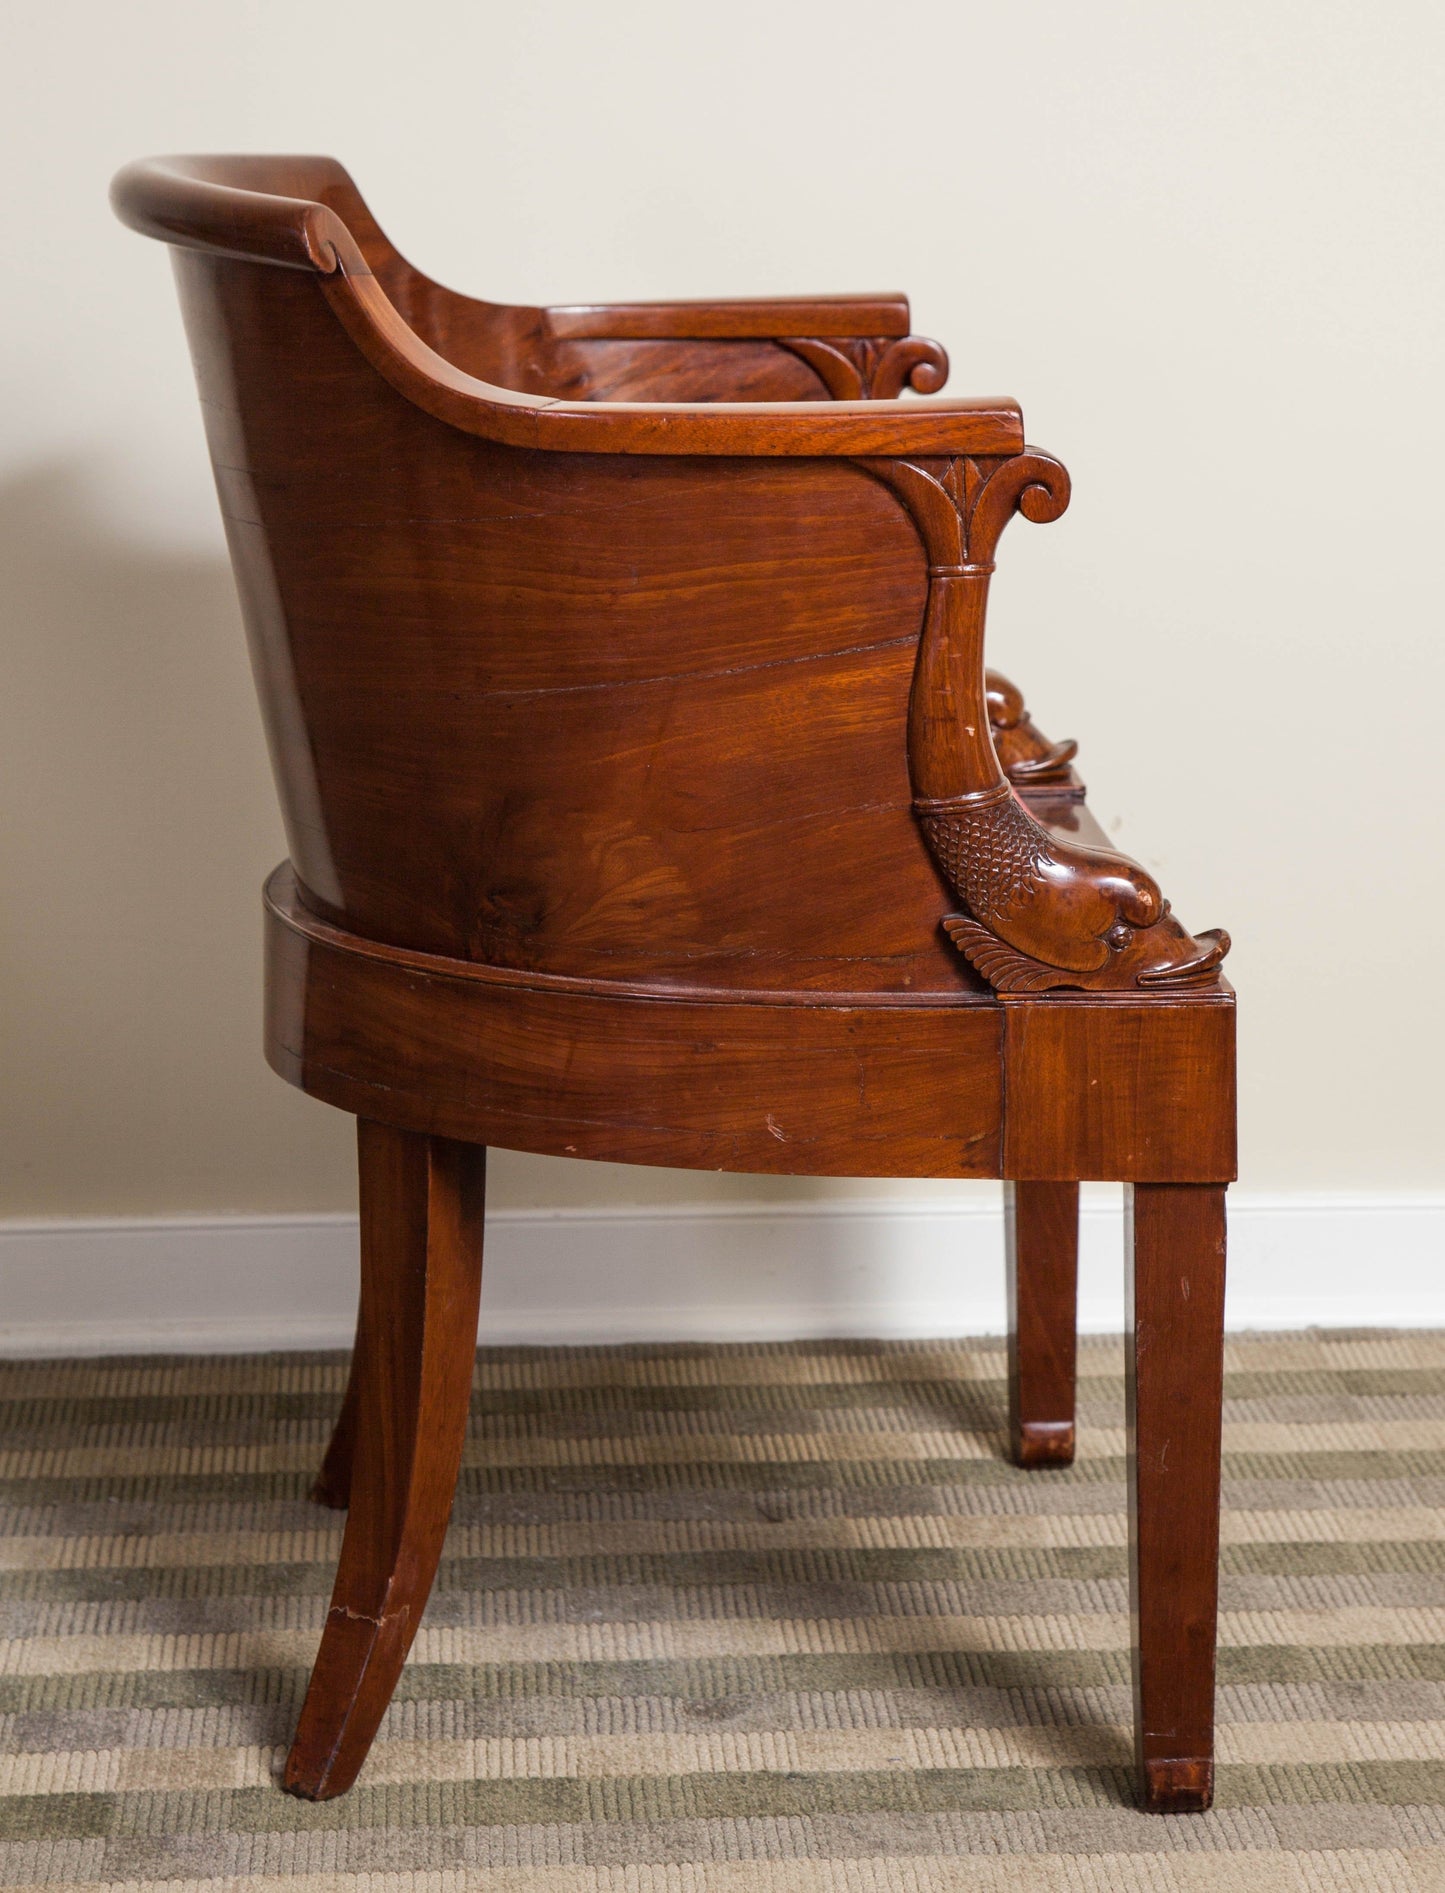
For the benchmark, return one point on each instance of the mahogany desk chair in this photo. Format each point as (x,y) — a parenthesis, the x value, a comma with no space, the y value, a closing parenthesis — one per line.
(648,800)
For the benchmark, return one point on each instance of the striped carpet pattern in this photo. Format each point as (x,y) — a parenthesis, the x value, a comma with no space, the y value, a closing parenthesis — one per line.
(746,1619)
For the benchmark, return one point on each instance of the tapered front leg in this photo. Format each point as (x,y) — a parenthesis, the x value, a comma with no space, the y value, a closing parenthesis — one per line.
(1175,1366)
(421,1269)
(1042,1225)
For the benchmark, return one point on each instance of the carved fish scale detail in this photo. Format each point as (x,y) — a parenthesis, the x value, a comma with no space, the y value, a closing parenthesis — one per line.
(991,850)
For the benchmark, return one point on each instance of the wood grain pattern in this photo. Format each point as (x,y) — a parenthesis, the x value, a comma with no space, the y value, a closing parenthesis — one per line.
(623,671)
(816,1085)
(1119,1089)
(1175,1387)
(511,786)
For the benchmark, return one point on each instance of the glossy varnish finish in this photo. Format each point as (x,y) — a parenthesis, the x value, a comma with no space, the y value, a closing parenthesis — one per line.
(648,800)
(713,1081)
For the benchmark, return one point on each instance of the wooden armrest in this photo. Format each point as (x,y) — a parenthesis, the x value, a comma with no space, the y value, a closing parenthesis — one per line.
(985,426)
(859,347)
(761,319)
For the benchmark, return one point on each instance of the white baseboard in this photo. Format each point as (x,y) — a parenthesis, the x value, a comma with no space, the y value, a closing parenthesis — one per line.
(851,1268)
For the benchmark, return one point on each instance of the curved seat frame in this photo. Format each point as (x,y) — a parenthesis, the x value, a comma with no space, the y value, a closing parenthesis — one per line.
(624,676)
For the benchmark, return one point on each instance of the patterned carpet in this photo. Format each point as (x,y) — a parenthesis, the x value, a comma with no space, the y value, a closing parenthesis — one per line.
(727,1620)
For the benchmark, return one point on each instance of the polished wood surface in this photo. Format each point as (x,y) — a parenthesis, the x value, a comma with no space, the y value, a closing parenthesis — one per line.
(1041,1234)
(648,800)
(1041,912)
(416,1336)
(1120,1089)
(715,1081)
(1175,1275)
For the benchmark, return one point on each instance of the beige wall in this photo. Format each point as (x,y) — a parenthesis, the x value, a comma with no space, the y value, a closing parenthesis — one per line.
(1201,244)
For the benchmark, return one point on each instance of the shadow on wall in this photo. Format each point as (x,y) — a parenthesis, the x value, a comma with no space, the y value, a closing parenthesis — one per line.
(140,823)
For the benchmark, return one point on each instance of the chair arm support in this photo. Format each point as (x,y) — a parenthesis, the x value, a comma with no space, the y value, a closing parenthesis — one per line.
(1040,911)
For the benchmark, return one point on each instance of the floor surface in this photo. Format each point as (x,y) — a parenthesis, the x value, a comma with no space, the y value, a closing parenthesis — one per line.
(720,1620)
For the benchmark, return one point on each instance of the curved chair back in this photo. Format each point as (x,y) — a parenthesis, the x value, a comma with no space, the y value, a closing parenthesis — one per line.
(585,687)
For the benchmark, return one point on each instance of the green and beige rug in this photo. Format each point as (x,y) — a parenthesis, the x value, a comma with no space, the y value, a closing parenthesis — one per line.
(720,1620)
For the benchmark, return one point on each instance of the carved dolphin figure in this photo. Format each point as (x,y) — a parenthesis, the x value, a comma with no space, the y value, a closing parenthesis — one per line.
(1048,912)
(1042,911)
(1064,904)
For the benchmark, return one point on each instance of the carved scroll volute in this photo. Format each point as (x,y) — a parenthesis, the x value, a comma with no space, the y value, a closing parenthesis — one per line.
(1041,911)
(910,362)
(872,369)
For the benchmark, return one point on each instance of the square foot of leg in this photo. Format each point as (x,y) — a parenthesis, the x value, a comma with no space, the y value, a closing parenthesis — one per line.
(1178,1785)
(1044,1443)
(328,1490)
